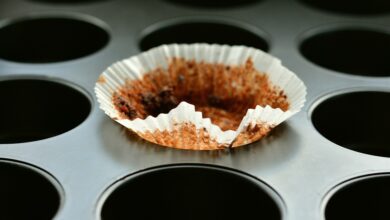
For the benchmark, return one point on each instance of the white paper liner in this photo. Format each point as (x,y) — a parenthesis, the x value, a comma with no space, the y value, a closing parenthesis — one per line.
(265,118)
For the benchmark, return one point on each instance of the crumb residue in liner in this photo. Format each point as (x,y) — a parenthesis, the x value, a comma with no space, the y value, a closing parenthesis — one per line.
(183,136)
(252,133)
(101,79)
(221,92)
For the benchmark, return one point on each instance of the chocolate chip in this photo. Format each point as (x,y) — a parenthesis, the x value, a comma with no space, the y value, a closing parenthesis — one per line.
(214,100)
(162,102)
(124,107)
(131,113)
(148,99)
(167,100)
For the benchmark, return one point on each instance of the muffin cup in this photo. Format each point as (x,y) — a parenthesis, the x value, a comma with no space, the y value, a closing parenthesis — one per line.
(185,128)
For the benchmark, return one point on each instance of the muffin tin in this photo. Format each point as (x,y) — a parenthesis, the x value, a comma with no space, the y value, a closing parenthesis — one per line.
(330,161)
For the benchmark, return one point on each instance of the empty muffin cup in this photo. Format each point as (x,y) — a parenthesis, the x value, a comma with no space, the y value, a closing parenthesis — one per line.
(362,198)
(351,7)
(214,3)
(51,38)
(27,192)
(200,96)
(211,30)
(190,192)
(357,120)
(351,50)
(38,108)
(68,1)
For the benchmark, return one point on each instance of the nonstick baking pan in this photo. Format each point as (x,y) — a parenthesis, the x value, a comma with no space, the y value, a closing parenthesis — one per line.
(63,158)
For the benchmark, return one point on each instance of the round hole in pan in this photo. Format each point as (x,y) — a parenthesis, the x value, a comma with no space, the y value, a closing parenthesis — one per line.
(50,39)
(349,50)
(190,192)
(362,198)
(202,31)
(357,120)
(213,3)
(35,109)
(351,7)
(67,1)
(26,192)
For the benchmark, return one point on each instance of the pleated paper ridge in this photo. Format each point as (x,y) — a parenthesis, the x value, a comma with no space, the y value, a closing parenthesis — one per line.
(134,67)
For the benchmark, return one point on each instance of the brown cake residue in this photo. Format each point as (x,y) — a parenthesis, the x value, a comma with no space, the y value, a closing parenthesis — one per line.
(183,136)
(252,133)
(101,79)
(221,92)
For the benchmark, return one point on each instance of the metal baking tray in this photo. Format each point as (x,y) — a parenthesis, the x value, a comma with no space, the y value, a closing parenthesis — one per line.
(63,158)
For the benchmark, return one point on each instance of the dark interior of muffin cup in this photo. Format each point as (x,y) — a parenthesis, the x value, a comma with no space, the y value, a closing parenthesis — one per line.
(34,109)
(358,121)
(67,1)
(351,7)
(213,3)
(361,199)
(202,32)
(350,50)
(26,194)
(190,192)
(50,39)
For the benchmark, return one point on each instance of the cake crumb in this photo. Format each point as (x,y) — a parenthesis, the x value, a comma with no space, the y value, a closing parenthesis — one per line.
(221,92)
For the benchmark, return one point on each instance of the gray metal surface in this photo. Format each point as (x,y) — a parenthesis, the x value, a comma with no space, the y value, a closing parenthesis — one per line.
(296,161)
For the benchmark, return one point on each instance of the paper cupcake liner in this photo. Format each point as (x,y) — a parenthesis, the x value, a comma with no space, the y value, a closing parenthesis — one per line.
(185,128)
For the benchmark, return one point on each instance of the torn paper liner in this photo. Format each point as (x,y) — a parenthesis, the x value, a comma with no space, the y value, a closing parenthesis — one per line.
(185,128)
